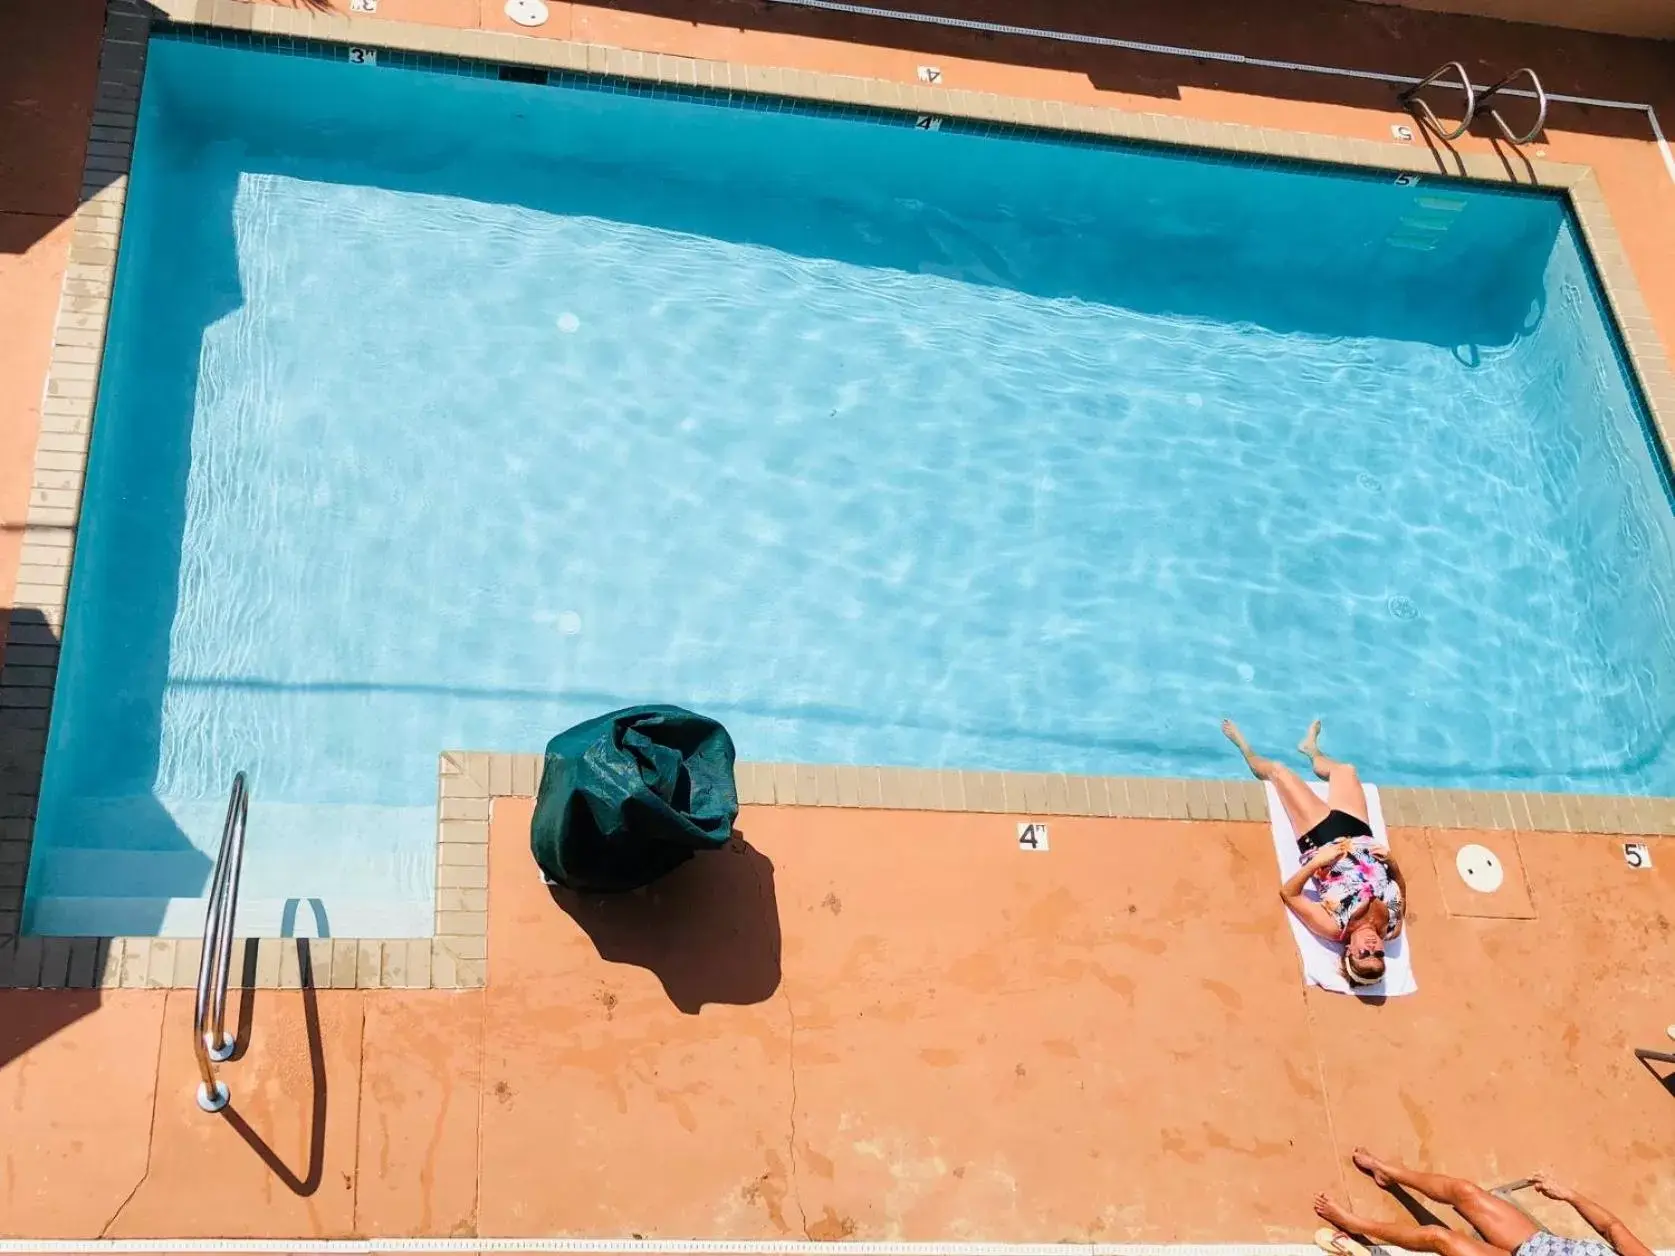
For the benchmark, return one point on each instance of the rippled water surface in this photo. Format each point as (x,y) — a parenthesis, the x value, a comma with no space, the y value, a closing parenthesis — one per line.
(881,446)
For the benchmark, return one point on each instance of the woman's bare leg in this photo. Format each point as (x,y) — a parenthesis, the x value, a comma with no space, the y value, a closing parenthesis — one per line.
(1301,804)
(1495,1219)
(1405,1234)
(1343,783)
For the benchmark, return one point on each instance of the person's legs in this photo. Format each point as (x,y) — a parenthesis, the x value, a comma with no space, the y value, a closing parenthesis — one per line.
(1405,1234)
(1305,809)
(1343,783)
(1495,1219)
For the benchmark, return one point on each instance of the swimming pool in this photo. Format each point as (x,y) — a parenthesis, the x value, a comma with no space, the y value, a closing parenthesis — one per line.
(441,411)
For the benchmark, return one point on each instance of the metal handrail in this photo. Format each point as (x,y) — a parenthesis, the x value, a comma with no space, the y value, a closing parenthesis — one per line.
(1410,98)
(210,1040)
(1475,102)
(1541,106)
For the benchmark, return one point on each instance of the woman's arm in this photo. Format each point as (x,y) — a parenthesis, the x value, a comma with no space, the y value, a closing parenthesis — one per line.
(1604,1223)
(1316,919)
(1401,884)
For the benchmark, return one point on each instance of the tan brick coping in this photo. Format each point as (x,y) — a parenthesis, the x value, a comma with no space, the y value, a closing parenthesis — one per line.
(455,956)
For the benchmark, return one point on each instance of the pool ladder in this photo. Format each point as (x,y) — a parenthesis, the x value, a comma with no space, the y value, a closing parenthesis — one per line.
(210,1040)
(1476,101)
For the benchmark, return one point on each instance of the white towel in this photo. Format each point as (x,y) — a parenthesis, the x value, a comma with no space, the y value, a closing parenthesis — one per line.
(1321,959)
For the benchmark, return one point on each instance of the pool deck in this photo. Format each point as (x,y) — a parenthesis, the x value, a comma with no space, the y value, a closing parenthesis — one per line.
(883,1024)
(879,1025)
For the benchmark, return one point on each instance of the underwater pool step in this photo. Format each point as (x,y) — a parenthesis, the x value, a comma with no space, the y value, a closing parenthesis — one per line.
(66,915)
(146,891)
(75,871)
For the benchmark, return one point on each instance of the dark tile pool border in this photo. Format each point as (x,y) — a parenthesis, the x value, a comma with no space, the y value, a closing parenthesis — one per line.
(455,957)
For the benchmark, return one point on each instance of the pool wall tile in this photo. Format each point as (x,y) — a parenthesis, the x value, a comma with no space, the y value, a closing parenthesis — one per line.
(1589,815)
(344,952)
(1643,816)
(467,808)
(55,963)
(136,959)
(984,791)
(188,955)
(1398,807)
(85,955)
(925,788)
(1599,815)
(1057,794)
(107,974)
(369,964)
(26,962)
(523,775)
(159,965)
(1080,797)
(1634,817)
(892,789)
(825,785)
(1500,811)
(1569,813)
(290,965)
(392,965)
(1198,801)
(1545,813)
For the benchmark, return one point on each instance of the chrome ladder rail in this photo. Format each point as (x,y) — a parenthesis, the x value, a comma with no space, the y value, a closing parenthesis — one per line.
(1476,102)
(1541,106)
(1422,110)
(210,1040)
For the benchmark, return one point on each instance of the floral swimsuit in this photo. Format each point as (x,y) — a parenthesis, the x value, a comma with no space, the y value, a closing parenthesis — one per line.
(1351,882)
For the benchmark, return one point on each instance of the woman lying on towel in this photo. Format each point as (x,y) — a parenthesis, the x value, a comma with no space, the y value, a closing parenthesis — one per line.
(1362,892)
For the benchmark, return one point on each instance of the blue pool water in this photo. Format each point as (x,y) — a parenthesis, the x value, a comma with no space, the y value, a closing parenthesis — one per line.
(445,412)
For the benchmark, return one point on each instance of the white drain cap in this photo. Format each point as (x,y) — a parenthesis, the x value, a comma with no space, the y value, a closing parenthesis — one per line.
(527,12)
(1480,868)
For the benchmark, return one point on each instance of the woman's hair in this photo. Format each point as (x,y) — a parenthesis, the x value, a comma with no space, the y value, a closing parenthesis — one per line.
(1364,972)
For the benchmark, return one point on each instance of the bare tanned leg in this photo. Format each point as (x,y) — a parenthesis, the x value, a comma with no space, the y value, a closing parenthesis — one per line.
(1343,789)
(1495,1219)
(1404,1234)
(1301,804)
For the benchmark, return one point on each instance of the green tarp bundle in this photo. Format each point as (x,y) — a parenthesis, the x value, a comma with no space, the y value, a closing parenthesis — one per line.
(629,796)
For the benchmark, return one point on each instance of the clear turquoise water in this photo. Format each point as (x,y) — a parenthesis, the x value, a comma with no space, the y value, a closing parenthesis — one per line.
(444,412)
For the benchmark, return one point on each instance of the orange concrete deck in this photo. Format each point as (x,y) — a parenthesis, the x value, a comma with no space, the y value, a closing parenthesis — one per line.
(896,1024)
(883,1025)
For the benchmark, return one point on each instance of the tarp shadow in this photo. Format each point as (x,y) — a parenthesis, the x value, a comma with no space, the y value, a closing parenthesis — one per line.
(709,931)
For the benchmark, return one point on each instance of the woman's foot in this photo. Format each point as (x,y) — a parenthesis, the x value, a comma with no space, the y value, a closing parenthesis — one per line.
(1372,1166)
(1259,767)
(1331,1214)
(1309,747)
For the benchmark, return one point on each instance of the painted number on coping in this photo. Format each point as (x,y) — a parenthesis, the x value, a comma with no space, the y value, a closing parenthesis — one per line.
(1032,836)
(1407,180)
(1637,855)
(363,56)
(927,122)
(363,6)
